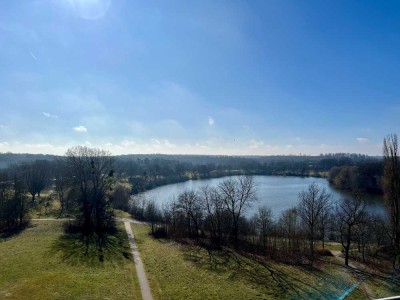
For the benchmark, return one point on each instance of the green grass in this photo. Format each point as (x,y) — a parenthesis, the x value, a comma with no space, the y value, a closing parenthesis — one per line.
(122,214)
(330,246)
(384,287)
(178,271)
(42,262)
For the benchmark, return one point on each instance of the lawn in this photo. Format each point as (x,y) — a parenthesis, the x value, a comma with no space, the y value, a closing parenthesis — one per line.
(178,271)
(42,262)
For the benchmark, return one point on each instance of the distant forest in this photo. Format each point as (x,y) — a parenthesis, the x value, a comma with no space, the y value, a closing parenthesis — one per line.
(146,171)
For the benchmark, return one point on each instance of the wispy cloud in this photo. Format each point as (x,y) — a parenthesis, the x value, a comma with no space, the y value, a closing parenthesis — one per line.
(49,115)
(362,140)
(33,56)
(254,144)
(210,121)
(80,129)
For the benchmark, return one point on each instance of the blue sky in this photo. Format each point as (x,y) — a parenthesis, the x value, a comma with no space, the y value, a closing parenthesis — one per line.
(203,77)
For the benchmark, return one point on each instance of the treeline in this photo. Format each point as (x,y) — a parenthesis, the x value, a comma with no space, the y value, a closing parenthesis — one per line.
(364,176)
(13,202)
(147,172)
(17,183)
(215,217)
(81,182)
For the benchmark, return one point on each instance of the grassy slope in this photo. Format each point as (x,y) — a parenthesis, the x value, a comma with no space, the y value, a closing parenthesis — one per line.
(42,263)
(187,272)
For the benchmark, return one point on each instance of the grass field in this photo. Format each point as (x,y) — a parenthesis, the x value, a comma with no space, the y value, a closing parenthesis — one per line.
(190,272)
(43,263)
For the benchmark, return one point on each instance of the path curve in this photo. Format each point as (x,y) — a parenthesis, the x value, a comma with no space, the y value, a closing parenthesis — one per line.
(362,283)
(141,274)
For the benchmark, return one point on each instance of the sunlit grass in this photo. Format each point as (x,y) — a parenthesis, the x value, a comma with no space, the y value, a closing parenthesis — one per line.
(178,271)
(44,263)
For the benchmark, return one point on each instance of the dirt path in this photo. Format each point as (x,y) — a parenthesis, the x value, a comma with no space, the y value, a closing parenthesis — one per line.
(143,282)
(141,274)
(363,285)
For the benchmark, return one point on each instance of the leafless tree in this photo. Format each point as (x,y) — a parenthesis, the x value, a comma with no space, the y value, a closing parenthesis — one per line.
(152,214)
(289,227)
(312,206)
(237,194)
(13,200)
(363,232)
(264,224)
(213,206)
(91,173)
(189,204)
(120,197)
(350,212)
(391,188)
(36,176)
(325,221)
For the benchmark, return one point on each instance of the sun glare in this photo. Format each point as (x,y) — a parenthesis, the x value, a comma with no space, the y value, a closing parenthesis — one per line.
(90,9)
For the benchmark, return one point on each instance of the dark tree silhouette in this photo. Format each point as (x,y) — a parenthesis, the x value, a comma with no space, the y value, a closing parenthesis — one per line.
(313,205)
(350,212)
(91,174)
(237,195)
(391,188)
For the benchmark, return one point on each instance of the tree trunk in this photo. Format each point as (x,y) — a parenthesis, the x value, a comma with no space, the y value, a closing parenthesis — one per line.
(33,200)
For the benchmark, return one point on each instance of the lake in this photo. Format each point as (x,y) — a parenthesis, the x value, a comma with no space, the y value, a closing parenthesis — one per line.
(277,192)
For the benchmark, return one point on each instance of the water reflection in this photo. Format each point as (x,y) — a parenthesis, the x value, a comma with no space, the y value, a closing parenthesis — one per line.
(277,192)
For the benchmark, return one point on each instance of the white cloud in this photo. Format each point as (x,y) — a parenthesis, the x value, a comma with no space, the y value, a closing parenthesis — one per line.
(48,115)
(210,121)
(80,128)
(33,56)
(254,144)
(362,140)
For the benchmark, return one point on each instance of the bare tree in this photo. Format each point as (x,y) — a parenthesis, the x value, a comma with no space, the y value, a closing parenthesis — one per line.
(189,203)
(61,186)
(91,172)
(391,188)
(363,233)
(289,227)
(237,194)
(152,214)
(13,201)
(36,176)
(349,213)
(325,221)
(214,206)
(313,204)
(120,197)
(264,224)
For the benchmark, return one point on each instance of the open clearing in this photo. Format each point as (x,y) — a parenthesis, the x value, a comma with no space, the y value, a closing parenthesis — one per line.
(43,263)
(189,272)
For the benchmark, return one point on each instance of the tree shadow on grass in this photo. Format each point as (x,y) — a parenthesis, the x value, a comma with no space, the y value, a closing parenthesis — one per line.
(317,284)
(6,234)
(75,249)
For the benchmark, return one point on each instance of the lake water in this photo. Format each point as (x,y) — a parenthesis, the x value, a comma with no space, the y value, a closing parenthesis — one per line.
(277,192)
